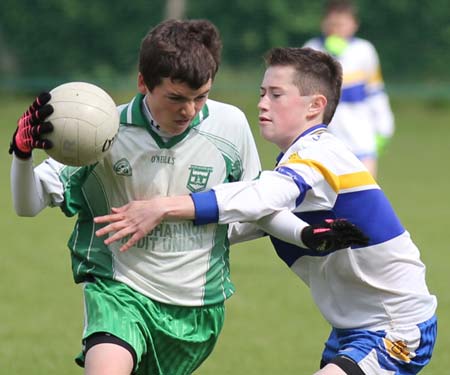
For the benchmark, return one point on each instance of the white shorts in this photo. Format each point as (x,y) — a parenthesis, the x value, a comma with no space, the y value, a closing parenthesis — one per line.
(401,351)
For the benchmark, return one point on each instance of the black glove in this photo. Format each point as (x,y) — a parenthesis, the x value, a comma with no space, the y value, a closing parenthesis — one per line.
(331,235)
(31,126)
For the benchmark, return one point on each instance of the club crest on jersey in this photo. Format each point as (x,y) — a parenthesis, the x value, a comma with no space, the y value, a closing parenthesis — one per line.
(123,167)
(198,178)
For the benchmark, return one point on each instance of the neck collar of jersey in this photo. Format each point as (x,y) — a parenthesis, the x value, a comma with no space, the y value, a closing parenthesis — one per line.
(306,132)
(132,115)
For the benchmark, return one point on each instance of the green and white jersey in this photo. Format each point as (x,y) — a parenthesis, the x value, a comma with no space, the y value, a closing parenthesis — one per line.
(177,263)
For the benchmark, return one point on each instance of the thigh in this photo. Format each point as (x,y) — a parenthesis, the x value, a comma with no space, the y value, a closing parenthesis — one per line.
(164,339)
(181,338)
(108,359)
(112,316)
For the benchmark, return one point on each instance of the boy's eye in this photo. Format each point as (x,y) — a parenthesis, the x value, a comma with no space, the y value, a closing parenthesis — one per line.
(181,99)
(176,98)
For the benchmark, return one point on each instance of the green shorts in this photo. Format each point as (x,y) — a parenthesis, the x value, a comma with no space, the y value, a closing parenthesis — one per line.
(167,339)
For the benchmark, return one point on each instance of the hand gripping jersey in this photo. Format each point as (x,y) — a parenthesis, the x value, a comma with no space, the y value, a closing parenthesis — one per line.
(363,111)
(375,287)
(177,263)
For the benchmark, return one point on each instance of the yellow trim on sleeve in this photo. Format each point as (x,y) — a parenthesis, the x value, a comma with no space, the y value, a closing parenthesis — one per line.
(352,180)
(351,78)
(376,77)
(337,183)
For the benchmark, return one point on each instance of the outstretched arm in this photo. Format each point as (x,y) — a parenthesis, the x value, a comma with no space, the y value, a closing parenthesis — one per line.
(240,202)
(227,203)
(138,218)
(328,235)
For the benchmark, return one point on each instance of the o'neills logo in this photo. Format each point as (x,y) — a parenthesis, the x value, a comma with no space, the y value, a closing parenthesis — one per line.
(123,167)
(198,178)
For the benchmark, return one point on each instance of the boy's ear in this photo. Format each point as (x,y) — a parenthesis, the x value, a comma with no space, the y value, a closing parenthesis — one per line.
(317,106)
(141,84)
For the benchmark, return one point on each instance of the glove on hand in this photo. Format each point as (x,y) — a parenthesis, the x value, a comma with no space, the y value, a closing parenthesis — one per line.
(332,235)
(31,126)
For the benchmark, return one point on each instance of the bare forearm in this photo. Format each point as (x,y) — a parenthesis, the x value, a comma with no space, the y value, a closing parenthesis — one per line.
(139,217)
(178,207)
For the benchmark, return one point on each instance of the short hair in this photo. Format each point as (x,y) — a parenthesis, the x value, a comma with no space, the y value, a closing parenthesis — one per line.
(341,6)
(316,73)
(182,50)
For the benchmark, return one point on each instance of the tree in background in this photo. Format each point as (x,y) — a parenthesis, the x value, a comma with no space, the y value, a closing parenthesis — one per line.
(96,38)
(54,38)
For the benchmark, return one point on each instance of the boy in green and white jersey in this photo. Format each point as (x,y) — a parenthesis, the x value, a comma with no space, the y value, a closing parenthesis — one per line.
(157,309)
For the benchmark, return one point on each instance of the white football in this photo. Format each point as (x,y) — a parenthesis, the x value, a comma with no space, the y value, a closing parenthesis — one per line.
(85,123)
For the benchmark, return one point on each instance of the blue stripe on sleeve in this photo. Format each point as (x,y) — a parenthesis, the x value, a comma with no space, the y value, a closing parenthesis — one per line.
(371,211)
(353,94)
(300,182)
(206,208)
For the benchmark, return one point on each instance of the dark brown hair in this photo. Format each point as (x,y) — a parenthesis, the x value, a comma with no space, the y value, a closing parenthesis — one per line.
(316,73)
(186,51)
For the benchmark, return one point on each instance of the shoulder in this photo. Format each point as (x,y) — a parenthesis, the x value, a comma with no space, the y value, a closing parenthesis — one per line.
(216,107)
(227,123)
(315,43)
(121,107)
(319,144)
(362,44)
(219,111)
(323,153)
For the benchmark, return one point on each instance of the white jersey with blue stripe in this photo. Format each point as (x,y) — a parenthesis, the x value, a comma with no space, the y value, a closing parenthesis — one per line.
(364,110)
(378,286)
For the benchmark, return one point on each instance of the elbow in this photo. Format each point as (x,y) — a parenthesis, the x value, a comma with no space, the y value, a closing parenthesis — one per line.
(24,210)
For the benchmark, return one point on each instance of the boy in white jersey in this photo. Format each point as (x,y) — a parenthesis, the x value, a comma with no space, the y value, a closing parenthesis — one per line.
(160,308)
(363,118)
(374,295)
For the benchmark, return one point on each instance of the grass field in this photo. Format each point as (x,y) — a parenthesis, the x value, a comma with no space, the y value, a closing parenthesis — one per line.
(272,326)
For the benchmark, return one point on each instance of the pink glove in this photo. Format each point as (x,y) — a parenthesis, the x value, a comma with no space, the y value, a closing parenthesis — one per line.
(31,126)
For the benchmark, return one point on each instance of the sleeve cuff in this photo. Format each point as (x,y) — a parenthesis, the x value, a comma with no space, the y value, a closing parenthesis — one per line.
(206,208)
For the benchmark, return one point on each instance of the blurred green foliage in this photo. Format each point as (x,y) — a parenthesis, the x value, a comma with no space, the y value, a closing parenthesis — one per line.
(46,40)
(54,38)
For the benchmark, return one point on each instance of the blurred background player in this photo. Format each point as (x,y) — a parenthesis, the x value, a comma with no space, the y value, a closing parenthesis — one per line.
(373,294)
(363,119)
(159,308)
